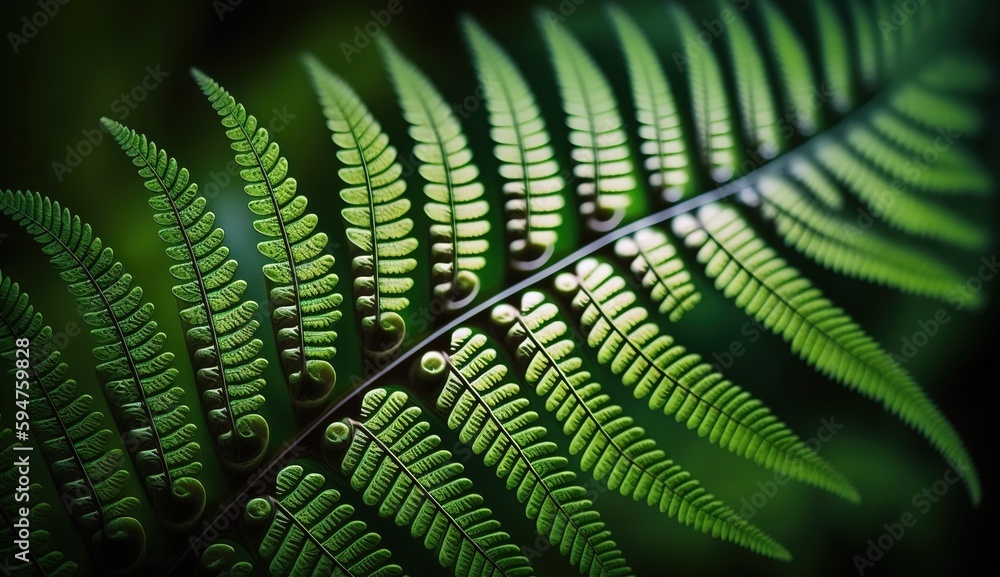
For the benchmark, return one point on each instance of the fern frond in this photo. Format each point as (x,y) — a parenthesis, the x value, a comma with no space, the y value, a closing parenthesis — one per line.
(608,190)
(679,384)
(69,432)
(837,243)
(41,558)
(655,263)
(780,298)
(225,559)
(305,530)
(605,438)
(454,193)
(377,225)
(136,373)
(219,325)
(889,200)
(835,55)
(301,288)
(393,460)
(955,175)
(533,183)
(865,47)
(758,107)
(709,103)
(490,414)
(660,129)
(792,62)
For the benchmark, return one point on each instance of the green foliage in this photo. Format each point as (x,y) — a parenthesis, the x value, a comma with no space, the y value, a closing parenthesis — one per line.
(607,184)
(660,127)
(70,434)
(394,462)
(533,184)
(299,282)
(489,413)
(378,228)
(841,172)
(682,386)
(454,194)
(304,530)
(219,325)
(784,301)
(137,375)
(607,441)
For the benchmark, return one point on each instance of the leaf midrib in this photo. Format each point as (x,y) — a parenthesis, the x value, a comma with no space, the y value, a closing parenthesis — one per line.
(231,107)
(611,441)
(209,313)
(126,351)
(427,494)
(570,520)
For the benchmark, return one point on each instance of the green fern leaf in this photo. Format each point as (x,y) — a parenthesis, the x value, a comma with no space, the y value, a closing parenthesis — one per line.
(137,375)
(454,194)
(393,460)
(709,103)
(608,189)
(900,209)
(660,128)
(536,208)
(303,530)
(69,432)
(489,414)
(779,297)
(865,47)
(792,62)
(299,282)
(679,384)
(656,264)
(835,55)
(218,321)
(608,443)
(378,228)
(225,559)
(761,123)
(835,242)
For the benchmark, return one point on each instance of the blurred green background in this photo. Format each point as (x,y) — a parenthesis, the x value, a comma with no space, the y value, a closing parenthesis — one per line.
(77,66)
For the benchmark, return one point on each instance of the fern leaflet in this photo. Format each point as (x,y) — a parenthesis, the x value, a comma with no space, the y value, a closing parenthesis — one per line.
(533,184)
(605,438)
(378,227)
(70,434)
(679,384)
(136,374)
(454,194)
(392,459)
(219,323)
(300,285)
(489,414)
(784,301)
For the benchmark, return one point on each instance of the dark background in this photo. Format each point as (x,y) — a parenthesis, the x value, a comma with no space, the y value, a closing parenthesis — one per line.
(72,72)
